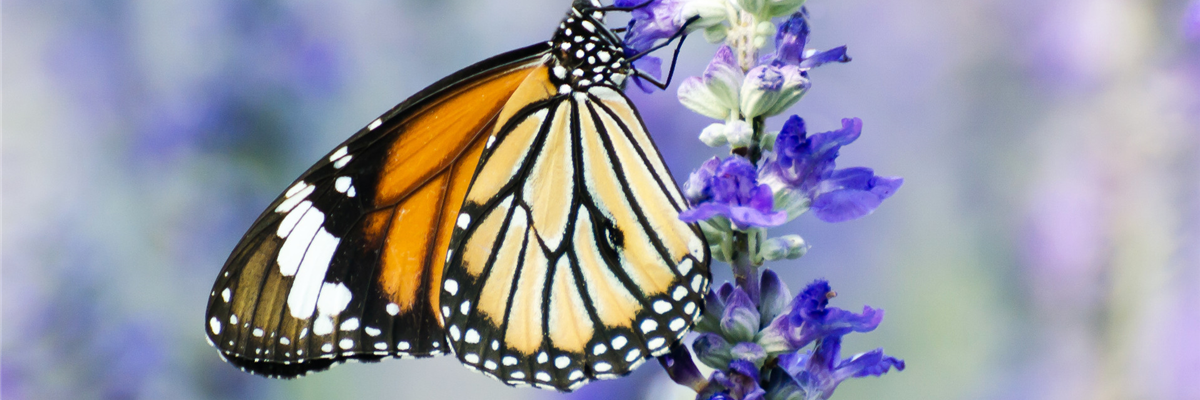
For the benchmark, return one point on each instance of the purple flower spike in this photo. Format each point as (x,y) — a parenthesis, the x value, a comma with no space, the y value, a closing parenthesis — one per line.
(730,188)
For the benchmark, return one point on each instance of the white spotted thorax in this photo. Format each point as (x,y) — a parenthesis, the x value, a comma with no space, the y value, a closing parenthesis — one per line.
(586,53)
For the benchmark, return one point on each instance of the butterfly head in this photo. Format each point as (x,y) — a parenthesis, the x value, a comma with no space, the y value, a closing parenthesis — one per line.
(585,52)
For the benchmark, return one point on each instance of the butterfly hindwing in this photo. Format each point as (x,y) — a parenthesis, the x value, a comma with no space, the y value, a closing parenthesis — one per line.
(569,262)
(330,271)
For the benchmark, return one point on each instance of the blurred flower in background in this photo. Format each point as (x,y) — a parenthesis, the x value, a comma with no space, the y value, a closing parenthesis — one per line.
(1047,244)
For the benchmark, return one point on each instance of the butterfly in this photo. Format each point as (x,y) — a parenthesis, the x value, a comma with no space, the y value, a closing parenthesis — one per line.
(515,214)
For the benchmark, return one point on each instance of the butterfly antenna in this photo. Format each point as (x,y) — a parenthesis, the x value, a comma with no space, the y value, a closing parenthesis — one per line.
(679,34)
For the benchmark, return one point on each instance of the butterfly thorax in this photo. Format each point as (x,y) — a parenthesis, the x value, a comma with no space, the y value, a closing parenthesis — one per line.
(585,53)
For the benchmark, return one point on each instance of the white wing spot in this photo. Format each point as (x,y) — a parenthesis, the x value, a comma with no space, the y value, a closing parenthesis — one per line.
(327,347)
(339,153)
(375,124)
(602,367)
(257,332)
(232,319)
(454,332)
(293,200)
(214,325)
(346,343)
(679,293)
(633,355)
(588,25)
(392,309)
(403,345)
(509,361)
(589,47)
(381,345)
(465,307)
(696,282)
(604,56)
(542,358)
(445,311)
(323,325)
(490,365)
(560,72)
(543,376)
(451,286)
(677,324)
(372,331)
(562,362)
(649,325)
(491,140)
(656,343)
(341,162)
(296,188)
(471,358)
(303,332)
(599,349)
(689,307)
(575,375)
(349,325)
(226,294)
(342,184)
(464,220)
(619,342)
(517,375)
(472,336)
(495,345)
(685,266)
(285,341)
(662,307)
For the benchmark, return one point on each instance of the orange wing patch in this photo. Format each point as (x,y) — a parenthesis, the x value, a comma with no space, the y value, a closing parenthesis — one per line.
(425,178)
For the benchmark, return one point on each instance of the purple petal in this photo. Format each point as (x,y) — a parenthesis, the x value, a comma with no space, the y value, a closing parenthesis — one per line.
(746,217)
(837,54)
(852,193)
(871,363)
(703,212)
(791,39)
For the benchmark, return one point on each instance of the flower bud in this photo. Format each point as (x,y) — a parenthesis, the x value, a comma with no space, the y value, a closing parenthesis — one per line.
(712,350)
(739,133)
(789,246)
(711,13)
(713,135)
(779,8)
(770,89)
(750,352)
(740,320)
(715,94)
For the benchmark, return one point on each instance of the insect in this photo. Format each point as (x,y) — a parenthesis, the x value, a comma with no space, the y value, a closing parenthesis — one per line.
(515,214)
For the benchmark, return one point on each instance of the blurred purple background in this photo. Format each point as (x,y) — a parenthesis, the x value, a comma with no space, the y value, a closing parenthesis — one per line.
(1045,245)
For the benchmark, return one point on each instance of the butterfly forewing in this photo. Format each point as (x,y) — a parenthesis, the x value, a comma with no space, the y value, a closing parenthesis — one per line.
(571,262)
(347,262)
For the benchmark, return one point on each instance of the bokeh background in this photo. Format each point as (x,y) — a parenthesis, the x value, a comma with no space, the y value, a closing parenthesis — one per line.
(1045,245)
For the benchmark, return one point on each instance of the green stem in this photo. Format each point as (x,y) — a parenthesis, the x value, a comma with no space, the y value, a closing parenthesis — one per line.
(745,272)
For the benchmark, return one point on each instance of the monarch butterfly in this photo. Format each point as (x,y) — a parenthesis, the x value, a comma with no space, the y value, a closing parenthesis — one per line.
(515,214)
